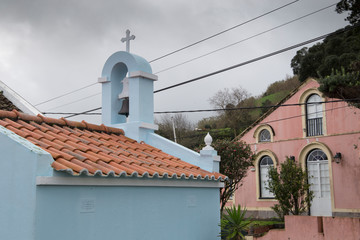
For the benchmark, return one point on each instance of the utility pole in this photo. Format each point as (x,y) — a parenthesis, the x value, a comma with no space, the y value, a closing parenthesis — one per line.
(172,119)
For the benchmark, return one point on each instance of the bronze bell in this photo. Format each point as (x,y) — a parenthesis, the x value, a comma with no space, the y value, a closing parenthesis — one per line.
(125,107)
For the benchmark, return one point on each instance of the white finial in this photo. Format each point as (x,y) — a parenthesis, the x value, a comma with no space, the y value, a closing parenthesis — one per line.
(208,140)
(127,40)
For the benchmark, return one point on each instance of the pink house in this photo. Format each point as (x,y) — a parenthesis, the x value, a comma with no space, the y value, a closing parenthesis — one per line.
(320,133)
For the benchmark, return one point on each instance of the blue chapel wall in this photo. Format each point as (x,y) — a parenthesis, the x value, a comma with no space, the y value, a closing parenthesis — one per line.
(20,162)
(131,213)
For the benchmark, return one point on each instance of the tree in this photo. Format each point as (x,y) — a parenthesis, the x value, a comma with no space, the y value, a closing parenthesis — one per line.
(286,85)
(183,127)
(236,158)
(224,97)
(350,5)
(336,61)
(291,189)
(335,52)
(342,85)
(229,99)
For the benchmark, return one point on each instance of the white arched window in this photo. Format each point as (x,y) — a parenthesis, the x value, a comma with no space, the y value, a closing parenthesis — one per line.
(314,116)
(264,136)
(319,178)
(264,165)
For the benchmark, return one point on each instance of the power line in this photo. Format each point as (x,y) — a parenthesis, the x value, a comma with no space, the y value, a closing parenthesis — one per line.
(68,113)
(218,109)
(81,99)
(224,31)
(82,113)
(219,49)
(247,62)
(251,108)
(195,43)
(65,94)
(257,59)
(301,115)
(245,39)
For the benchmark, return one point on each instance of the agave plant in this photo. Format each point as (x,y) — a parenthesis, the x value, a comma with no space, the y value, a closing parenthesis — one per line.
(233,223)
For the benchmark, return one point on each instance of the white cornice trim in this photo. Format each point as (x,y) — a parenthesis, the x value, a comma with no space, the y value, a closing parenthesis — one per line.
(143,75)
(123,182)
(149,126)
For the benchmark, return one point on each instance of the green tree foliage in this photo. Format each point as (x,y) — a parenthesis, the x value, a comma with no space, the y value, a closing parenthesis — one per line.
(236,158)
(350,5)
(342,85)
(288,84)
(233,223)
(335,52)
(238,120)
(291,189)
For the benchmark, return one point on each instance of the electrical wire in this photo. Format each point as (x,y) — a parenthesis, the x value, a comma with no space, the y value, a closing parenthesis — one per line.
(224,31)
(193,44)
(246,62)
(209,53)
(201,133)
(245,39)
(221,109)
(65,94)
(81,99)
(83,113)
(296,116)
(256,59)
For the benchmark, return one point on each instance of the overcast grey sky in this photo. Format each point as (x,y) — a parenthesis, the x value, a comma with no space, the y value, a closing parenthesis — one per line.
(50,47)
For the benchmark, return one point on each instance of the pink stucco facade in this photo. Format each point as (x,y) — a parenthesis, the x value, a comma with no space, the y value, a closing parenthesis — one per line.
(316,228)
(341,133)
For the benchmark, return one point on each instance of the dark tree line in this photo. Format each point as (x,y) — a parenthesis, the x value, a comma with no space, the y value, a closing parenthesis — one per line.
(336,61)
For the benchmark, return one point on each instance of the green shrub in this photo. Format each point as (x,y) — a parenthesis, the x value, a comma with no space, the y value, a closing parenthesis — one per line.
(233,223)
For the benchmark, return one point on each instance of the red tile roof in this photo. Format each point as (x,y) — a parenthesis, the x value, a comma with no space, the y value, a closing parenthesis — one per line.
(81,147)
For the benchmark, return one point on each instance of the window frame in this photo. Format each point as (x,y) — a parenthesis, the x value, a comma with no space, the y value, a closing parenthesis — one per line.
(303,100)
(305,151)
(258,157)
(259,129)
(261,182)
(317,130)
(261,135)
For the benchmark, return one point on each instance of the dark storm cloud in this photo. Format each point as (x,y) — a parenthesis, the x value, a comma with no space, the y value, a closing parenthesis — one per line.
(49,47)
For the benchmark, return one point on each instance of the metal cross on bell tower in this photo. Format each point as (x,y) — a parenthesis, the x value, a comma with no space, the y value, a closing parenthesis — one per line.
(127,40)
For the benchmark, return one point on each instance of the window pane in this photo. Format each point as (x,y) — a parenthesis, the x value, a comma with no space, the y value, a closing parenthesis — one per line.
(264,136)
(314,113)
(318,173)
(265,163)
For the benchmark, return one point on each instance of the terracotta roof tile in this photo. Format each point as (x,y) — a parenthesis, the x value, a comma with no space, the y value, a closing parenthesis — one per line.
(81,147)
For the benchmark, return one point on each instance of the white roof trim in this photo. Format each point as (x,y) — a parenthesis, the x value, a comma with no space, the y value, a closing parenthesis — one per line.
(17,100)
(123,182)
(143,75)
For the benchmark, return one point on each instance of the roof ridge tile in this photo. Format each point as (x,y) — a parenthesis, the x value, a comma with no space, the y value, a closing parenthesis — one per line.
(74,124)
(27,117)
(8,114)
(91,126)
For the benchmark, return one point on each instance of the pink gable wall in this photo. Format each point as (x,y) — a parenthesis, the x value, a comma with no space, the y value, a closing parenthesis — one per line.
(342,135)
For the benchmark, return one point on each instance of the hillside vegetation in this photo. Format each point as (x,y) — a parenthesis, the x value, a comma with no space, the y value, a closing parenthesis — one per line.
(228,123)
